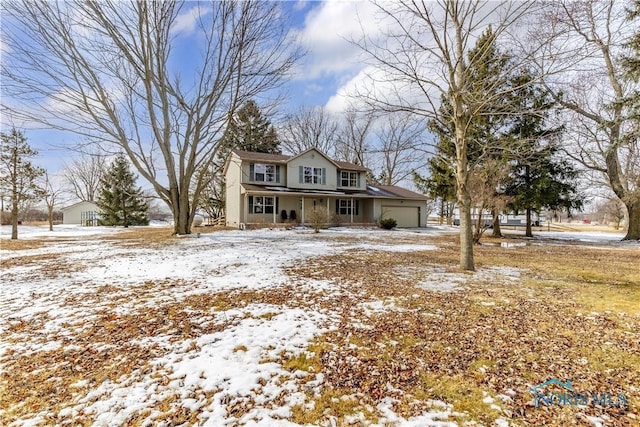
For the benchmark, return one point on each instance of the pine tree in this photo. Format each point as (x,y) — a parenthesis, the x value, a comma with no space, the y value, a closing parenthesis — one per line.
(249,130)
(17,175)
(486,141)
(119,200)
(539,178)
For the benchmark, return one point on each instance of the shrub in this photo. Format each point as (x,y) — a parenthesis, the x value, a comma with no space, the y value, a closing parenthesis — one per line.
(319,217)
(388,223)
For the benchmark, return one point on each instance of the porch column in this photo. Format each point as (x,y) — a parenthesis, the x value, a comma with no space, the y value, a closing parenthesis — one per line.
(302,212)
(352,209)
(275,203)
(245,210)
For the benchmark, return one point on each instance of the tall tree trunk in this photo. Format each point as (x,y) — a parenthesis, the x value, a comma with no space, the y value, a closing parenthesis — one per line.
(497,232)
(528,233)
(477,233)
(14,194)
(464,200)
(14,219)
(633,228)
(182,215)
(50,215)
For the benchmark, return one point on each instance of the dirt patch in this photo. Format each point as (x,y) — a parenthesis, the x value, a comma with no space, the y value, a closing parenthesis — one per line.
(20,244)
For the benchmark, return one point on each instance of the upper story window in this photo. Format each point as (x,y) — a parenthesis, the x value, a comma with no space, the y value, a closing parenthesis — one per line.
(264,173)
(311,175)
(349,179)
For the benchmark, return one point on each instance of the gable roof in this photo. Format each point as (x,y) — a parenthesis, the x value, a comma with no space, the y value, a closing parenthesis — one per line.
(261,157)
(283,159)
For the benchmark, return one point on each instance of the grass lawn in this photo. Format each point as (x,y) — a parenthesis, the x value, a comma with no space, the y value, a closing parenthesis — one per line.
(400,336)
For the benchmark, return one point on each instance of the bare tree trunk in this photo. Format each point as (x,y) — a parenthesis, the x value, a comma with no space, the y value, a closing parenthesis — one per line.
(14,196)
(464,198)
(497,232)
(50,217)
(633,228)
(14,220)
(528,232)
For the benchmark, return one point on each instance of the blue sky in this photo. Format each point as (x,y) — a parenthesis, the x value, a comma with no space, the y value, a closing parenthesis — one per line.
(322,77)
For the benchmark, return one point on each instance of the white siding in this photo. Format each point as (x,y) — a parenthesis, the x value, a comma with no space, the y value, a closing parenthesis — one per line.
(73,214)
(233,198)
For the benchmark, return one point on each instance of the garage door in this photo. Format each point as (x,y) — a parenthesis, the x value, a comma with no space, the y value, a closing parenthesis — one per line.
(406,216)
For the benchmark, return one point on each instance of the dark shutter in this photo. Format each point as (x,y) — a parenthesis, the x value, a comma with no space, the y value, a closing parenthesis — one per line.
(277,173)
(324,176)
(357,207)
(252,174)
(301,174)
(251,201)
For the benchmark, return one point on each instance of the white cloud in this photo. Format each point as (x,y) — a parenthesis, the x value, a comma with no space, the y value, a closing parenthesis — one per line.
(187,22)
(327,33)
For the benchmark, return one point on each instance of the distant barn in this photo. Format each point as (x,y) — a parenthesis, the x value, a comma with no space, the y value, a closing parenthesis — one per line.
(83,213)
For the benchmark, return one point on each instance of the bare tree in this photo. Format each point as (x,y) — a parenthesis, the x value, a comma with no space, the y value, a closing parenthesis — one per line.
(579,61)
(483,182)
(111,71)
(307,128)
(610,211)
(353,139)
(52,192)
(83,175)
(422,59)
(400,148)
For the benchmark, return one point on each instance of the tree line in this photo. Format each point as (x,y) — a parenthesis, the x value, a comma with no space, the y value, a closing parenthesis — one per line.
(508,98)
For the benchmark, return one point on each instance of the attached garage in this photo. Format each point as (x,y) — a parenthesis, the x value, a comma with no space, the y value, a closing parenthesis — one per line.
(405,216)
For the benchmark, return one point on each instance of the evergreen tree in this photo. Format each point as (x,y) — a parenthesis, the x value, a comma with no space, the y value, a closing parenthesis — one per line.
(488,79)
(119,200)
(249,130)
(17,175)
(539,178)
(440,185)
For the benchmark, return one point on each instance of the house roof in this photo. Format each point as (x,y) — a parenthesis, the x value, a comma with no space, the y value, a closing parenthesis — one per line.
(261,157)
(77,204)
(283,159)
(393,191)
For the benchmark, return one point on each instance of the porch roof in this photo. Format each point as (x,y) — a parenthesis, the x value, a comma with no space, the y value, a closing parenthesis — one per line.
(272,190)
(373,192)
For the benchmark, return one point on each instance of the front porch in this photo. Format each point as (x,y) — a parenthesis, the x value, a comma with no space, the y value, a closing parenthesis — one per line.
(263,209)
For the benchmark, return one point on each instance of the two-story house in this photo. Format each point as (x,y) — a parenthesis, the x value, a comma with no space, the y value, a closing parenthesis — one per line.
(259,187)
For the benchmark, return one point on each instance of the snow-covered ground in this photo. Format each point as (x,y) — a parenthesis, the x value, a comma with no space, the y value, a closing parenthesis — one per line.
(98,276)
(73,282)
